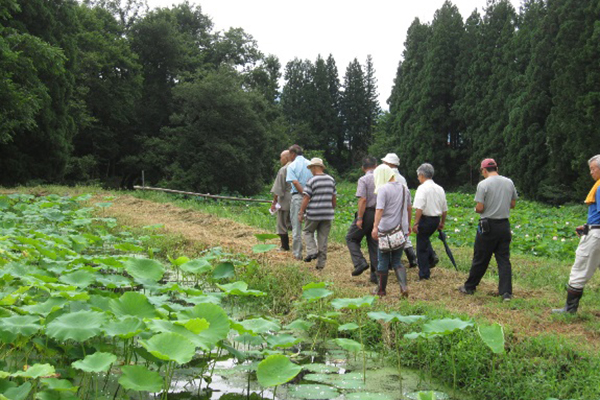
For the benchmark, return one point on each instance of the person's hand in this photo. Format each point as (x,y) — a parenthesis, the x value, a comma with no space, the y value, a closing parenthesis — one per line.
(300,217)
(579,230)
(272,207)
(440,226)
(375,233)
(359,223)
(415,228)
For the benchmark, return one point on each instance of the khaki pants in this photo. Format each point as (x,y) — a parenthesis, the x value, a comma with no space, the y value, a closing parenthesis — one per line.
(283,222)
(587,259)
(322,228)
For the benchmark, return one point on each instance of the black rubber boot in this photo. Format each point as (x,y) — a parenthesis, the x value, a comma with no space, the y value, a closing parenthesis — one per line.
(402,281)
(412,257)
(285,242)
(572,303)
(382,284)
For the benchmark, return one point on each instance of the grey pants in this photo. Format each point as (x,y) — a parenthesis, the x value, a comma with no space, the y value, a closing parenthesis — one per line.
(322,228)
(296,225)
(283,222)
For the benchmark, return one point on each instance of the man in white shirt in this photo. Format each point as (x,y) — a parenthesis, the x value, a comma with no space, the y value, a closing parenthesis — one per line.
(431,209)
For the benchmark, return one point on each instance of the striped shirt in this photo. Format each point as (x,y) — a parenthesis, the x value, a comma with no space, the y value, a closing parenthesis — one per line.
(320,189)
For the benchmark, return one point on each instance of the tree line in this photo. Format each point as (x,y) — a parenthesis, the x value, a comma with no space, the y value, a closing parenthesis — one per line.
(105,89)
(522,87)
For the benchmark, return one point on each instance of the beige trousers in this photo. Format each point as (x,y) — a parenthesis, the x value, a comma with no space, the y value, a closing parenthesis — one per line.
(319,246)
(587,259)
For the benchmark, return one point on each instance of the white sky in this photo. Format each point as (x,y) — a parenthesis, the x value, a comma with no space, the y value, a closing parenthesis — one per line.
(347,29)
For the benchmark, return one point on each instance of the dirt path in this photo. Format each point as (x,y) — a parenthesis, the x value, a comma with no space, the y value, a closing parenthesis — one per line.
(523,318)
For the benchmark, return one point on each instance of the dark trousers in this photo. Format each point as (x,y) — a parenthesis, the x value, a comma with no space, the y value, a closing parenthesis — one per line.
(496,242)
(355,236)
(427,227)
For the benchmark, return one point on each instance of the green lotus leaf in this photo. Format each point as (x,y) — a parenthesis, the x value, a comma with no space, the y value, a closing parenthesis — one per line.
(36,371)
(328,317)
(493,337)
(114,281)
(199,266)
(427,395)
(314,294)
(260,325)
(78,326)
(282,341)
(24,325)
(141,379)
(353,304)
(348,327)
(80,278)
(276,370)
(133,304)
(322,368)
(240,288)
(417,335)
(142,269)
(17,392)
(61,385)
(445,326)
(128,247)
(263,248)
(315,285)
(195,325)
(367,396)
(250,340)
(215,316)
(265,236)
(223,271)
(348,344)
(314,392)
(394,316)
(97,362)
(299,325)
(341,381)
(162,326)
(171,347)
(178,261)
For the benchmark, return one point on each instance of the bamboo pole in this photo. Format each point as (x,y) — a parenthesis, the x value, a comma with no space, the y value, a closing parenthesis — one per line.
(211,196)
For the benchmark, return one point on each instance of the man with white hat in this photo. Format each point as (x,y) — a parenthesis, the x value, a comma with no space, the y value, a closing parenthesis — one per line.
(393,161)
(319,202)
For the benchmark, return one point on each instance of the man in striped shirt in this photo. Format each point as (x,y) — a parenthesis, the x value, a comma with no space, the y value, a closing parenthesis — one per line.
(319,203)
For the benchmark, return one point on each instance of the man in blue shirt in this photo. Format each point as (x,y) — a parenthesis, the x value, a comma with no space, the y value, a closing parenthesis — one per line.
(297,174)
(587,256)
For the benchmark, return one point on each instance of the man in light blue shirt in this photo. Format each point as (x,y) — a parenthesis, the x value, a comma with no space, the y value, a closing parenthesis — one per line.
(297,174)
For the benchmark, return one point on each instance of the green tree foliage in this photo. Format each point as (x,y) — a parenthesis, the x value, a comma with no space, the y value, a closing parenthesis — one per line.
(355,112)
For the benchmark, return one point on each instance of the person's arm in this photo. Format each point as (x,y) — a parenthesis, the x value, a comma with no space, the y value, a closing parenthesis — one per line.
(513,203)
(334,201)
(305,201)
(378,215)
(298,186)
(479,208)
(362,206)
(275,197)
(409,209)
(443,221)
(418,213)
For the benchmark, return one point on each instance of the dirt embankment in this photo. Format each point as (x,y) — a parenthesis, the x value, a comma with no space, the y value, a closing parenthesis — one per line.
(523,318)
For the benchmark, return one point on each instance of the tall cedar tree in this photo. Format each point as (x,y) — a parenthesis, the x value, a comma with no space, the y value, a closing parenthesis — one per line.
(355,112)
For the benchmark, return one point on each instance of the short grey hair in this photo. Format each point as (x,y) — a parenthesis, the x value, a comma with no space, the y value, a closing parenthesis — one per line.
(595,159)
(426,170)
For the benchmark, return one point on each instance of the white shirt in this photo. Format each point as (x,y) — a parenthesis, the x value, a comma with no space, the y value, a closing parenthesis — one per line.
(430,199)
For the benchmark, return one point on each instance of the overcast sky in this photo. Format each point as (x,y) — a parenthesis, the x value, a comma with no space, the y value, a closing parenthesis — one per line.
(347,29)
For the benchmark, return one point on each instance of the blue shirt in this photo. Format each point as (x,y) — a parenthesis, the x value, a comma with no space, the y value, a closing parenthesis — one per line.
(593,212)
(298,171)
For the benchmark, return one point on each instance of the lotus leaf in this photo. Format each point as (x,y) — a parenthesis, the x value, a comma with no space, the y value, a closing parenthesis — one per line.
(223,271)
(178,261)
(18,392)
(348,344)
(353,304)
(394,316)
(24,325)
(341,381)
(217,319)
(348,327)
(314,294)
(250,340)
(170,346)
(314,392)
(163,326)
(199,266)
(128,247)
(133,304)
(142,269)
(263,248)
(114,281)
(282,341)
(97,362)
(322,368)
(36,371)
(59,384)
(367,396)
(445,326)
(240,288)
(315,285)
(260,325)
(78,326)
(300,325)
(125,328)
(427,395)
(493,337)
(80,278)
(139,378)
(276,370)
(266,236)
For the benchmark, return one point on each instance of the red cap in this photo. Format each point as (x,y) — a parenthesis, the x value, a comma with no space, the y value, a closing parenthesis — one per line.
(488,162)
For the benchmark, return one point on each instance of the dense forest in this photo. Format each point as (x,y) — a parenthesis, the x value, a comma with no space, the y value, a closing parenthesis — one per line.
(98,91)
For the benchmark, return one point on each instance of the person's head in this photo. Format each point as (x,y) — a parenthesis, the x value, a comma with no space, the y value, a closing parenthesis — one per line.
(295,151)
(316,166)
(369,163)
(594,164)
(382,175)
(284,157)
(489,167)
(425,172)
(391,160)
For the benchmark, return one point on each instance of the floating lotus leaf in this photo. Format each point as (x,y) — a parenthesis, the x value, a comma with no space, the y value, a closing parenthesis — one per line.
(276,370)
(133,304)
(321,368)
(260,325)
(352,381)
(97,362)
(128,247)
(240,288)
(299,325)
(139,378)
(199,266)
(282,341)
(80,278)
(493,337)
(314,294)
(445,326)
(348,344)
(223,271)
(163,326)
(125,328)
(217,319)
(114,281)
(314,392)
(263,248)
(367,396)
(142,269)
(417,335)
(427,395)
(78,326)
(171,347)
(348,327)
(36,371)
(353,304)
(24,325)
(394,316)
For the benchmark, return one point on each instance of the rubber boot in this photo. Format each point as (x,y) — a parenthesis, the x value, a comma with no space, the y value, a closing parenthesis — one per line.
(382,284)
(402,281)
(285,242)
(572,303)
(412,257)
(373,278)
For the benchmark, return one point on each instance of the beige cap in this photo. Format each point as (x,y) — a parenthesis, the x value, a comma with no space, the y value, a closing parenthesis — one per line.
(315,162)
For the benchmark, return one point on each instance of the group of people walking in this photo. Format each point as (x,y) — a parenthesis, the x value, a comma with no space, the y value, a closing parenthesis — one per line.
(303,192)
